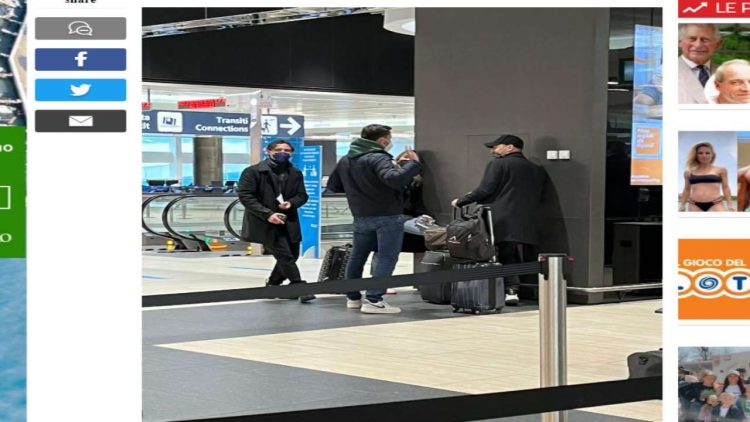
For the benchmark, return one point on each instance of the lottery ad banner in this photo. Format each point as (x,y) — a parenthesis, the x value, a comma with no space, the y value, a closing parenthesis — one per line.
(714,279)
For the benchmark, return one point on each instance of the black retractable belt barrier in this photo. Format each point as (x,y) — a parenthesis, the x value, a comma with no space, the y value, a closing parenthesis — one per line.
(476,407)
(342,286)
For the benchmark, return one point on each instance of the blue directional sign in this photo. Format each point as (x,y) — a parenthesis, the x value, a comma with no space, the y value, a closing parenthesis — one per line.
(311,164)
(195,123)
(80,59)
(282,126)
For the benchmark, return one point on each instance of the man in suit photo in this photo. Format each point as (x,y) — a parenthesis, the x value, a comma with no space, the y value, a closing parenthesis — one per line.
(698,42)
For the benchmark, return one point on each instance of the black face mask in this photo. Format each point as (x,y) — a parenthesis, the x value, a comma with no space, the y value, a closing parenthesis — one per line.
(281,157)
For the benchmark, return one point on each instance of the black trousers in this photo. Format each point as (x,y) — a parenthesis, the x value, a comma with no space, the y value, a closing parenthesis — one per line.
(286,254)
(516,253)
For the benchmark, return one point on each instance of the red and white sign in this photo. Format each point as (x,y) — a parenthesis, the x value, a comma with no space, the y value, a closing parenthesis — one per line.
(714,9)
(207,103)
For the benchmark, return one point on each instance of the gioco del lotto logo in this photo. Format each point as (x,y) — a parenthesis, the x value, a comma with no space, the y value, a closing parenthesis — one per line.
(709,283)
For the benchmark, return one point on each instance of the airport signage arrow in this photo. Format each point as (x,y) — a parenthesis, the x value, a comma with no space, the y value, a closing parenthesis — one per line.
(282,125)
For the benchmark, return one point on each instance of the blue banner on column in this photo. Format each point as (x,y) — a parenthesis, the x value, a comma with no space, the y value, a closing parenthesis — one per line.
(311,163)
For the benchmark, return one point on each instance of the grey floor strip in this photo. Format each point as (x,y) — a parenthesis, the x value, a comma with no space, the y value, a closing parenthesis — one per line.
(283,316)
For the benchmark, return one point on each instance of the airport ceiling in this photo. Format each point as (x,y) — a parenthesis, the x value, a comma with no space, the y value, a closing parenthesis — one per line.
(336,111)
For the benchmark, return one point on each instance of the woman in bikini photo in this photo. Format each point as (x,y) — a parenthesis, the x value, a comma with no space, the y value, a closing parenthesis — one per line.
(743,189)
(706,185)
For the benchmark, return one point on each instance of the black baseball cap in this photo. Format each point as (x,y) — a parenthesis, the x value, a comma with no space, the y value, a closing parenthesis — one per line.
(506,140)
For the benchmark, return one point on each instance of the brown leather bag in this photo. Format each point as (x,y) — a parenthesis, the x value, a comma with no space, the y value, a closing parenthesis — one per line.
(435,238)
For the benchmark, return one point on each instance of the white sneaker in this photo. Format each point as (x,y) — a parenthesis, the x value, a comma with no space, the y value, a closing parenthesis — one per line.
(511,297)
(391,291)
(353,304)
(378,308)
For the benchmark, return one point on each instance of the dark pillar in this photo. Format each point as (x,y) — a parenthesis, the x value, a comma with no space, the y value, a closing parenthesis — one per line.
(538,73)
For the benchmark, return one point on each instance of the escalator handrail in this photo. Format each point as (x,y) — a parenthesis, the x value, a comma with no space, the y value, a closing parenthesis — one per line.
(168,208)
(227,213)
(145,205)
(165,217)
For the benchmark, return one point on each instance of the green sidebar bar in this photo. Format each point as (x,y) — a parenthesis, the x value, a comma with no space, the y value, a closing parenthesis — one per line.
(12,192)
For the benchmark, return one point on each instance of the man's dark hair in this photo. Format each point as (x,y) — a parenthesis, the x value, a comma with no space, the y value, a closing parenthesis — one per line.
(375,132)
(273,144)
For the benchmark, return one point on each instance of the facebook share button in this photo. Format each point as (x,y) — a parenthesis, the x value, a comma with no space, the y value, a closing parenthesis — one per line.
(89,59)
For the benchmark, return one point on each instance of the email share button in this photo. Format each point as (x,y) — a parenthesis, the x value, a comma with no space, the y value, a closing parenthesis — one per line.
(80,121)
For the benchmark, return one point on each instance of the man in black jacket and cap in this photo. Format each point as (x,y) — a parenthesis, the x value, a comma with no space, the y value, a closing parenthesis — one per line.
(374,188)
(512,187)
(271,192)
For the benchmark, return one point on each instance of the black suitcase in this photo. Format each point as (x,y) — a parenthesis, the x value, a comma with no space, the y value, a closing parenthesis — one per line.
(436,261)
(334,263)
(478,296)
(645,364)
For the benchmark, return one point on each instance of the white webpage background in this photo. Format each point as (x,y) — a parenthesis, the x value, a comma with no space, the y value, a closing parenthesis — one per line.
(84,328)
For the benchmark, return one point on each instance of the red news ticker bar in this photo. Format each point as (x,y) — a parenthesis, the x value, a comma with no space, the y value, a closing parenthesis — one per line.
(714,9)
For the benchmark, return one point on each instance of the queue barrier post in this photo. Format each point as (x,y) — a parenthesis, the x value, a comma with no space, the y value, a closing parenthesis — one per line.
(552,327)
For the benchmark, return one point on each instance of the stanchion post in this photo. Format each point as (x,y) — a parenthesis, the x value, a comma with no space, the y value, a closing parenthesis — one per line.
(552,327)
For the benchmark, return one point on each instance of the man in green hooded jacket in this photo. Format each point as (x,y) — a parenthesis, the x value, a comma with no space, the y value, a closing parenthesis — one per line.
(374,188)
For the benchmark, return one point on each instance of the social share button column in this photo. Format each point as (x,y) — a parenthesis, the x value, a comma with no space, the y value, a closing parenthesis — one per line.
(80,28)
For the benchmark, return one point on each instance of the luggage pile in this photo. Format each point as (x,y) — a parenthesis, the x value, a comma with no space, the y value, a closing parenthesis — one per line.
(469,243)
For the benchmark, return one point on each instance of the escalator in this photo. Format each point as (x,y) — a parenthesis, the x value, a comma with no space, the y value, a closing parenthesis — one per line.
(205,220)
(196,221)
(155,236)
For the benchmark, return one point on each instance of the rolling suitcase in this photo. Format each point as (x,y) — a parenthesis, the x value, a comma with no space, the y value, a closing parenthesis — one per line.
(334,263)
(478,296)
(435,261)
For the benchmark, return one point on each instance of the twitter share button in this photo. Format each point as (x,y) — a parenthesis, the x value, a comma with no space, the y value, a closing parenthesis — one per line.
(80,90)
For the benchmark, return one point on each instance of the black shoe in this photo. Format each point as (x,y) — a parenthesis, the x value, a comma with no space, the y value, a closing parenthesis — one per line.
(303,298)
(511,297)
(273,283)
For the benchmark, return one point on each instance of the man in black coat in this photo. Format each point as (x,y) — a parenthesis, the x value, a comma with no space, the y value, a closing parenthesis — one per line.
(512,187)
(271,192)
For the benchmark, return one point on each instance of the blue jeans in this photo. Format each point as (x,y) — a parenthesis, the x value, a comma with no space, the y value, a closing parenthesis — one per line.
(383,235)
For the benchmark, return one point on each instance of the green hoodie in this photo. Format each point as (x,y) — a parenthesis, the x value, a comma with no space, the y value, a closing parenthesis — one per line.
(362,146)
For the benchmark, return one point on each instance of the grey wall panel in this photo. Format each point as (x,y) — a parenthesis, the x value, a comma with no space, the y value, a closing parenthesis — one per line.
(539,73)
